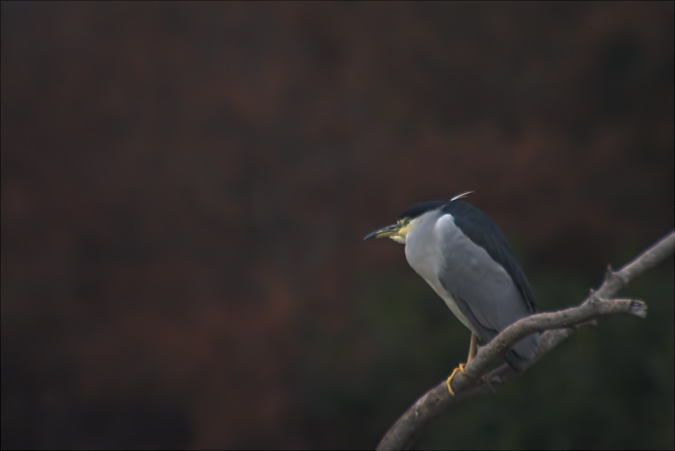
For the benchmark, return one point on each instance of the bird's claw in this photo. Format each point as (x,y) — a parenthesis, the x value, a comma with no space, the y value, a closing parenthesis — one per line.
(459,368)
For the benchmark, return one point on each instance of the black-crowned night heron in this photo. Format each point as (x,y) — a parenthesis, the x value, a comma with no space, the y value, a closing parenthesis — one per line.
(466,259)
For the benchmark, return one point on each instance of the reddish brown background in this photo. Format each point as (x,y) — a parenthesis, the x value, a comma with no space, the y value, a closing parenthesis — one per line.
(185,188)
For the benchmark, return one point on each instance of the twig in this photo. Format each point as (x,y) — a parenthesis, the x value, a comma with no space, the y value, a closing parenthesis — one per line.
(558,326)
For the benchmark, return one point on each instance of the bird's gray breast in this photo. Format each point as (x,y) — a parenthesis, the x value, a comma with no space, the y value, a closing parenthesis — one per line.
(424,251)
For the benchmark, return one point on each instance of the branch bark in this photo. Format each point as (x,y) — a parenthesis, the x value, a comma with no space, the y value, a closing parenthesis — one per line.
(557,326)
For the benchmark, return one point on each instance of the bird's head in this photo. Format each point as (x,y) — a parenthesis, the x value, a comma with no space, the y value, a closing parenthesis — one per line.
(410,219)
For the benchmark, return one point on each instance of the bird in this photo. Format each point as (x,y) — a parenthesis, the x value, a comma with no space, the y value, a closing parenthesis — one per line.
(466,259)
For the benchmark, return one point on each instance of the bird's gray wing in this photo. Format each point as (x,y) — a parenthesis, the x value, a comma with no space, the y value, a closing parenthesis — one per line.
(483,231)
(482,289)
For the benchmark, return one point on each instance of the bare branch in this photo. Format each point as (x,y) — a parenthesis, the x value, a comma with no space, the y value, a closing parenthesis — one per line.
(557,326)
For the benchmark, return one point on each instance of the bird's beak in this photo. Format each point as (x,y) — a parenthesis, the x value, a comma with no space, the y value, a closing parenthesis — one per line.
(384,232)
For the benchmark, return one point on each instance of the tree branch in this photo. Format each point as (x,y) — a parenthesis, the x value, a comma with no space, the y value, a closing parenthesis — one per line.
(558,326)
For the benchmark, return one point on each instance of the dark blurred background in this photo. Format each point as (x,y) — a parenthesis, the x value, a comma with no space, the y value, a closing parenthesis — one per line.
(185,188)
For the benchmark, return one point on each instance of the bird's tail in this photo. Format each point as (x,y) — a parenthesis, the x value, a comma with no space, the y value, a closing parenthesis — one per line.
(522,352)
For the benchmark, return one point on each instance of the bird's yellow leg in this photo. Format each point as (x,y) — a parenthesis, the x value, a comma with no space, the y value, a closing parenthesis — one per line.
(472,348)
(472,354)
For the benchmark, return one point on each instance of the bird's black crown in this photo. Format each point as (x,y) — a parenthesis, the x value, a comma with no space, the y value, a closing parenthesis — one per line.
(420,209)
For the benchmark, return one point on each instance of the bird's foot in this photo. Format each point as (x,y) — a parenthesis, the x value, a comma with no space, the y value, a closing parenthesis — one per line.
(459,368)
(455,371)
